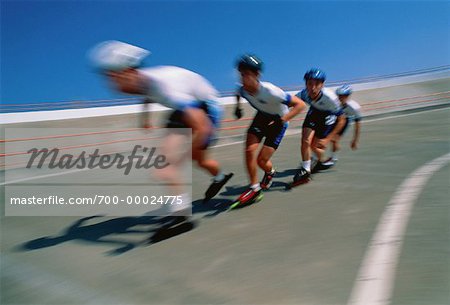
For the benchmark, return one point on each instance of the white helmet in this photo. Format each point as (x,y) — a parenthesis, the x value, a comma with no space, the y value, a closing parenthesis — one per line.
(115,55)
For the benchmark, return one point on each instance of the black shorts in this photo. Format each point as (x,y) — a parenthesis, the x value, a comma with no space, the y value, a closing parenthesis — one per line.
(321,129)
(273,133)
(176,120)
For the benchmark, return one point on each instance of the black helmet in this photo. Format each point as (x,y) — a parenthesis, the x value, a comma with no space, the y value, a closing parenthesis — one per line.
(315,73)
(249,61)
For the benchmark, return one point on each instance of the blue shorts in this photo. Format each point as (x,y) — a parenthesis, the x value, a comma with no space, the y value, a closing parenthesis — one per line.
(211,108)
(273,133)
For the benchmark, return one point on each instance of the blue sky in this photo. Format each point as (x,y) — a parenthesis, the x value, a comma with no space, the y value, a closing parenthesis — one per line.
(44,43)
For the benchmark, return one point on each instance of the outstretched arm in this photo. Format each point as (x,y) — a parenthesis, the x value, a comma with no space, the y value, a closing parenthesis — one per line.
(296,106)
(339,125)
(238,110)
(340,122)
(355,141)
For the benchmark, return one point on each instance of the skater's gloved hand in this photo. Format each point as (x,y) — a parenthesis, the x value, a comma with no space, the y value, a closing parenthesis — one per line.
(238,113)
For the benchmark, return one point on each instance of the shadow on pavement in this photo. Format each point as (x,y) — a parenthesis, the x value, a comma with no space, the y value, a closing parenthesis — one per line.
(98,233)
(214,206)
(104,232)
(286,173)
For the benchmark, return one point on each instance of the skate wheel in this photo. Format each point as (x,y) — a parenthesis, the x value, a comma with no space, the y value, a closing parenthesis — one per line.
(258,199)
(234,205)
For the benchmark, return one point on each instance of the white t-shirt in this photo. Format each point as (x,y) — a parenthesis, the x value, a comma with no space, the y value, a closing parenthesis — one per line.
(177,88)
(270,99)
(323,111)
(327,103)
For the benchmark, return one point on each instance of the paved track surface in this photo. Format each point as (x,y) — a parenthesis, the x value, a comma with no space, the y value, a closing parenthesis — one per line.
(304,246)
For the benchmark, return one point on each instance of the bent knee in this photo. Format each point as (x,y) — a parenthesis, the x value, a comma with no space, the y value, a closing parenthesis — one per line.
(250,151)
(315,145)
(306,144)
(262,161)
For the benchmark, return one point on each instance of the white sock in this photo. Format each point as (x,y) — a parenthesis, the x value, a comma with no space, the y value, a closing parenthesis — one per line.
(334,156)
(272,171)
(219,177)
(307,165)
(256,187)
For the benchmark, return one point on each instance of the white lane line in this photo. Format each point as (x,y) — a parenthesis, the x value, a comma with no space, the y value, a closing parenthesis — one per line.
(292,132)
(44,176)
(403,115)
(375,281)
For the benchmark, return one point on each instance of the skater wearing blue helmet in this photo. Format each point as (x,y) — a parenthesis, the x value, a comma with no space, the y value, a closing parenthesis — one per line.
(322,122)
(352,113)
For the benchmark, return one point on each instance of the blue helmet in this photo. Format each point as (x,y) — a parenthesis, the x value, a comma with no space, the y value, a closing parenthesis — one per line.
(250,61)
(315,73)
(344,90)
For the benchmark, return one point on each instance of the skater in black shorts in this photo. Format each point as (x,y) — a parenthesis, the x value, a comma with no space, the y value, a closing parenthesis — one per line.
(274,110)
(323,121)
